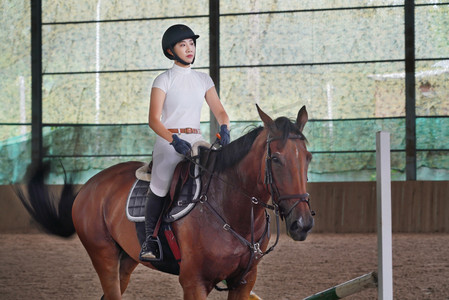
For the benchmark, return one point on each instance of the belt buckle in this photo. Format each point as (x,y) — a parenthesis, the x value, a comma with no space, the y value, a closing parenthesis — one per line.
(189,130)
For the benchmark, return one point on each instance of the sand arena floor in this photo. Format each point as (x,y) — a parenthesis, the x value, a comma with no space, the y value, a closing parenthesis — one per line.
(38,266)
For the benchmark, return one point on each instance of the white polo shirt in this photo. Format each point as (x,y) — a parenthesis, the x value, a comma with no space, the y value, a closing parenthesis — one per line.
(185,90)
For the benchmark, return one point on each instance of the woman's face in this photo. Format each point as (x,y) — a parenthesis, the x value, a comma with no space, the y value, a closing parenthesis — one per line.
(186,50)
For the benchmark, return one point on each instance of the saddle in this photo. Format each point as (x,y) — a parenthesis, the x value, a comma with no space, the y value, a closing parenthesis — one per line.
(184,189)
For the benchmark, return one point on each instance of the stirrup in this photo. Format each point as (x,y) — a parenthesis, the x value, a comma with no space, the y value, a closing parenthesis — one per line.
(151,255)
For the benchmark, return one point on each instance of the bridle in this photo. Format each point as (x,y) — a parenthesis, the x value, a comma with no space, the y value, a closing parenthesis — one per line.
(276,198)
(253,245)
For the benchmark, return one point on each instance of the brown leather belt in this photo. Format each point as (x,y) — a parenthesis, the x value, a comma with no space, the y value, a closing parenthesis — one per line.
(185,130)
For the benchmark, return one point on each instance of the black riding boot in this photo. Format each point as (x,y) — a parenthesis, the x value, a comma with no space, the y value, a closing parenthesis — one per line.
(150,248)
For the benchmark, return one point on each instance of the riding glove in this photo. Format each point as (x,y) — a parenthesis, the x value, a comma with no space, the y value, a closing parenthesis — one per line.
(181,146)
(225,136)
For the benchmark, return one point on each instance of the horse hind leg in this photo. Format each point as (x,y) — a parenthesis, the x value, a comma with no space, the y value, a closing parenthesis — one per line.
(127,266)
(107,265)
(114,271)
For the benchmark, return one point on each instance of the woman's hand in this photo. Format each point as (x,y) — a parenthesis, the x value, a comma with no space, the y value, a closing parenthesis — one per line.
(181,146)
(225,137)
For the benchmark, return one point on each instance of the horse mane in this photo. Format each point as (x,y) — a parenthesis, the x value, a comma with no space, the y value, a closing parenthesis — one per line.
(234,152)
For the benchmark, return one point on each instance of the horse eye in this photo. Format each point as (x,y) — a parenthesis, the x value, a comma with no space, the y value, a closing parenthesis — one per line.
(276,159)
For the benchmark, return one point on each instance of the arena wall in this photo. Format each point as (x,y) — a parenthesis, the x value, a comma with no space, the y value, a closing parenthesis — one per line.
(341,207)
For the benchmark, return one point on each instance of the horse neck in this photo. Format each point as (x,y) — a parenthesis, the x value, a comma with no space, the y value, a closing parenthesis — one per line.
(240,183)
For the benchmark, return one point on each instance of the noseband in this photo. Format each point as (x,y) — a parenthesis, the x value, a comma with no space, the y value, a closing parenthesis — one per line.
(274,191)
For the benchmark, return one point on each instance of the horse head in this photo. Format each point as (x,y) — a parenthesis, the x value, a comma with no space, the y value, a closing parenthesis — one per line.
(286,166)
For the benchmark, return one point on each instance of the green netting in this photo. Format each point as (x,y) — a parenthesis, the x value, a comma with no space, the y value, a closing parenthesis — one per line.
(15,156)
(114,45)
(61,11)
(353,135)
(432,133)
(433,165)
(299,37)
(343,150)
(83,151)
(238,6)
(98,140)
(352,166)
(113,140)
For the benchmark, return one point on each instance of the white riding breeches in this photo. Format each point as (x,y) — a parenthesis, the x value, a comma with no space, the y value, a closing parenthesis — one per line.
(165,160)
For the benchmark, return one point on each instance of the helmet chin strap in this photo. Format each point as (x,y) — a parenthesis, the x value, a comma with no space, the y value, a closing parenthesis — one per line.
(182,61)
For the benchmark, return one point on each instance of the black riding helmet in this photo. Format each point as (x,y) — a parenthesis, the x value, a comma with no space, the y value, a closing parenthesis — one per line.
(174,34)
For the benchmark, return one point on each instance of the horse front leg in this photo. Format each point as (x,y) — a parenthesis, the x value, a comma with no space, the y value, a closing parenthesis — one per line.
(194,289)
(194,286)
(243,291)
(194,294)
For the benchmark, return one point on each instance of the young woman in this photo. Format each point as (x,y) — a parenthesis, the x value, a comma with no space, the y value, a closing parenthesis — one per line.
(176,100)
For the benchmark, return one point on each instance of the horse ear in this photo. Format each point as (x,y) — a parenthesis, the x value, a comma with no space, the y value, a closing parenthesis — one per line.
(267,121)
(302,118)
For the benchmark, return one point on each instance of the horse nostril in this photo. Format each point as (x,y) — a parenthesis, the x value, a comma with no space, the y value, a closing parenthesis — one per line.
(300,225)
(295,226)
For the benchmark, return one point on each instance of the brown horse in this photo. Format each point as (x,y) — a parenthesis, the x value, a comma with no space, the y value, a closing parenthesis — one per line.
(222,238)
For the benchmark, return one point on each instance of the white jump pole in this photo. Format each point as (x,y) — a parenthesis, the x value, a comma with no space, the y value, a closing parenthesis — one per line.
(384,236)
(347,288)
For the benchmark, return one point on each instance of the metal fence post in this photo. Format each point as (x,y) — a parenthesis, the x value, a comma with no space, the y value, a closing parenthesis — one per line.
(214,56)
(36,82)
(410,110)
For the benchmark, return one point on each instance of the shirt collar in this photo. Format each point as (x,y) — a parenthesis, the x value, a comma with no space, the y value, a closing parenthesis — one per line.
(181,70)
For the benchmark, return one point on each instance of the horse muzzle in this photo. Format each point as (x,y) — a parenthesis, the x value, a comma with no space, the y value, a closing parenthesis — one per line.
(299,221)
(298,229)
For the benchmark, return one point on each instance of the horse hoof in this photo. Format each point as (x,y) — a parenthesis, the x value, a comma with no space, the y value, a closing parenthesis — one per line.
(253,296)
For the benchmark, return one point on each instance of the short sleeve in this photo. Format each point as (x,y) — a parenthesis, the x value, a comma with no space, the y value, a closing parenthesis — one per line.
(161,82)
(208,82)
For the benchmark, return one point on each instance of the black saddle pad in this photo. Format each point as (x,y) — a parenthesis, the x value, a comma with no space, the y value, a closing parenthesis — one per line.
(135,206)
(138,196)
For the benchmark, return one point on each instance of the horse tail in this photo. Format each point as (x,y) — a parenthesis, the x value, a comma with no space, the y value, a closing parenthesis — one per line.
(41,204)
